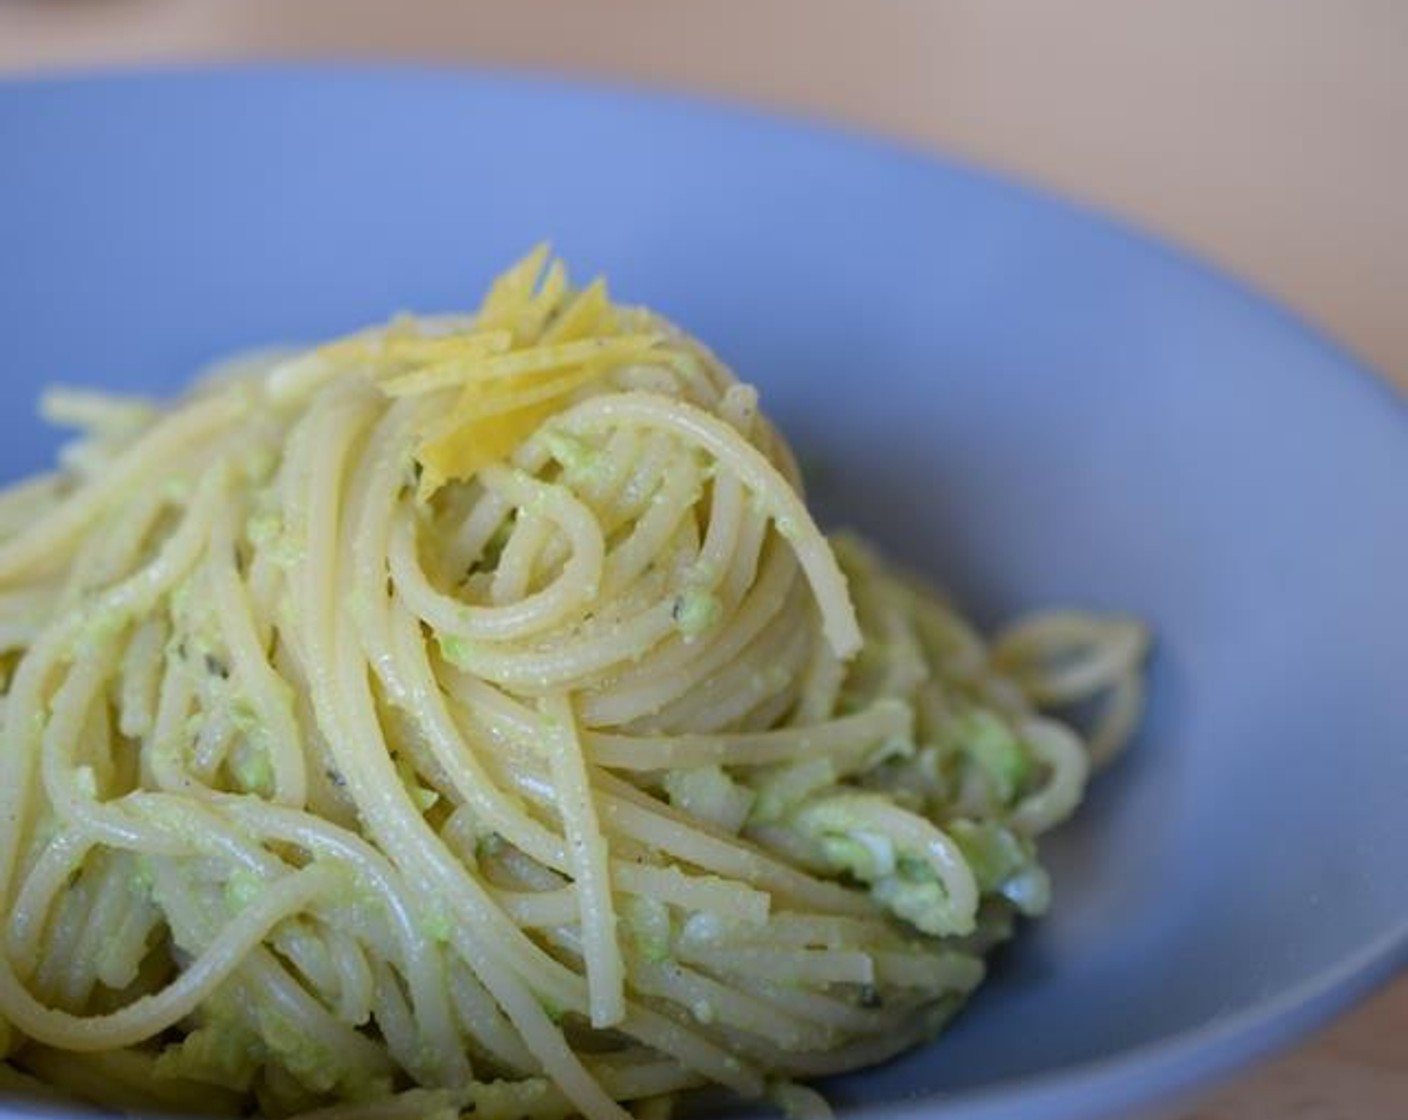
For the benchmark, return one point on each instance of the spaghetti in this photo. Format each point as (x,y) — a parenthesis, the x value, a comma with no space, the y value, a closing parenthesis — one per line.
(468,715)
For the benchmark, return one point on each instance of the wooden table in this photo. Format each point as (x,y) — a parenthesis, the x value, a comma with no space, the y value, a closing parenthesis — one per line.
(1269,135)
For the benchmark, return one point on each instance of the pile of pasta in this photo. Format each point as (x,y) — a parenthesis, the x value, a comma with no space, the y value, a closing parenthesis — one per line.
(467,715)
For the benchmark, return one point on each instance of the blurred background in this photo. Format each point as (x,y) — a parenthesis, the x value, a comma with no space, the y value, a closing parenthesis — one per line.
(1269,136)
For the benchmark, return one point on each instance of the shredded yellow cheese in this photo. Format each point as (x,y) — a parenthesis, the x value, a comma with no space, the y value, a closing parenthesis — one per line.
(533,343)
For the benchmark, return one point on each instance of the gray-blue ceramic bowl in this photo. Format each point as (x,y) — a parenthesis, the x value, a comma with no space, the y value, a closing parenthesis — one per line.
(1030,403)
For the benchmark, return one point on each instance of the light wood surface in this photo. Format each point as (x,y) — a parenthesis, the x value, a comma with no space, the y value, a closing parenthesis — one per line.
(1271,136)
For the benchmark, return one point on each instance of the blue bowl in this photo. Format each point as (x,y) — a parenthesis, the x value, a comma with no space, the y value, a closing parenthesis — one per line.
(1028,402)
